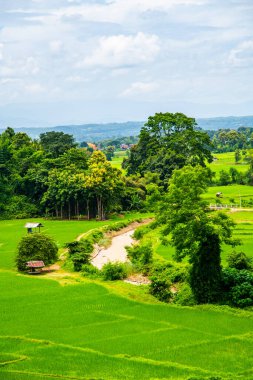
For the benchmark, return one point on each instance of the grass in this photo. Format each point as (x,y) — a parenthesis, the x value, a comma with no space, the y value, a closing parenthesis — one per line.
(86,331)
(62,231)
(236,193)
(243,231)
(118,159)
(224,161)
(92,330)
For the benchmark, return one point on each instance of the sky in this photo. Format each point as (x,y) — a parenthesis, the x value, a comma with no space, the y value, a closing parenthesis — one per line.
(84,61)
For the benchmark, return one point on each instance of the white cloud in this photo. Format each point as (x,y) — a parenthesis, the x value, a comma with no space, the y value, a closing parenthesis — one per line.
(1,51)
(242,55)
(122,50)
(34,88)
(55,46)
(119,10)
(138,88)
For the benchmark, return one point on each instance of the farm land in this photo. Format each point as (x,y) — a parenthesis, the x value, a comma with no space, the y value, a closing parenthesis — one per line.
(74,328)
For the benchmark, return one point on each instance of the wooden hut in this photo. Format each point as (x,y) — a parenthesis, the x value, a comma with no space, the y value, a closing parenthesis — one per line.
(35,267)
(30,227)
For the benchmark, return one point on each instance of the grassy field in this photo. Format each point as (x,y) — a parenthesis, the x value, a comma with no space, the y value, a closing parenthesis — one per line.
(243,231)
(224,161)
(86,330)
(230,194)
(118,159)
(11,232)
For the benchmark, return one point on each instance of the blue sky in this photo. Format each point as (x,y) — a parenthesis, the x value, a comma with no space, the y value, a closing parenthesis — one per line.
(79,61)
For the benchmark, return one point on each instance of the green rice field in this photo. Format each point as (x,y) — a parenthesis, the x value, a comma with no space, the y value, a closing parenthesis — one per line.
(118,159)
(234,194)
(224,161)
(87,330)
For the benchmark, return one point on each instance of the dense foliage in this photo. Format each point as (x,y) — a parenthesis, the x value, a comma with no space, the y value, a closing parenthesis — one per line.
(196,232)
(229,140)
(52,176)
(36,246)
(167,142)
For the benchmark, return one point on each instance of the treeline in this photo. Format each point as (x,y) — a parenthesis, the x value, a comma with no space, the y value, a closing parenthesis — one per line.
(52,176)
(228,140)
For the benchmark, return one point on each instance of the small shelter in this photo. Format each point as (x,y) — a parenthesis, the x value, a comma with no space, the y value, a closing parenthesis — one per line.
(35,267)
(30,227)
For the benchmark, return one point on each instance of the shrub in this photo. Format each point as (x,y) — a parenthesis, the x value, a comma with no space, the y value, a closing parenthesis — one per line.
(18,207)
(237,287)
(140,232)
(239,260)
(95,236)
(90,271)
(141,256)
(160,287)
(79,252)
(36,246)
(175,272)
(184,296)
(114,271)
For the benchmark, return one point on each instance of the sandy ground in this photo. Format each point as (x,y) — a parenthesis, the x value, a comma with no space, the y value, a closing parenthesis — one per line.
(116,251)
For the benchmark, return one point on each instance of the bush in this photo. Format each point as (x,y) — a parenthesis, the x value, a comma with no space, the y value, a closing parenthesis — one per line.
(36,246)
(175,272)
(90,271)
(160,287)
(184,297)
(141,256)
(114,271)
(79,252)
(140,232)
(237,287)
(18,207)
(95,236)
(239,260)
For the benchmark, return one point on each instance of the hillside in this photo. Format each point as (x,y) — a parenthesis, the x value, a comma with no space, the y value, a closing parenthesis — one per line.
(96,132)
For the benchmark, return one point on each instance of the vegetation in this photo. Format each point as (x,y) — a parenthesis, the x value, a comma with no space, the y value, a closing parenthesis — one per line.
(36,246)
(114,271)
(188,253)
(167,142)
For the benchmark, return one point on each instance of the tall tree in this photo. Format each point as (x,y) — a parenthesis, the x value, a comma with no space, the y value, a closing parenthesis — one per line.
(56,143)
(104,181)
(167,142)
(195,231)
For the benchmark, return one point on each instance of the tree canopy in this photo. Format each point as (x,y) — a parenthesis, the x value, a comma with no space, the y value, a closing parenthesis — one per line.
(196,232)
(168,141)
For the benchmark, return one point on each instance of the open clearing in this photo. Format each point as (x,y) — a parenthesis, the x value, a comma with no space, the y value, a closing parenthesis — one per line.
(86,330)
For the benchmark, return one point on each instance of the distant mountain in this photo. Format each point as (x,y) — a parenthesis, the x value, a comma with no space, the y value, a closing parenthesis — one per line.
(232,122)
(96,132)
(89,132)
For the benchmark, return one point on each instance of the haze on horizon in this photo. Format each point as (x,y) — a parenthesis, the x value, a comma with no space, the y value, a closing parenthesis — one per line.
(81,61)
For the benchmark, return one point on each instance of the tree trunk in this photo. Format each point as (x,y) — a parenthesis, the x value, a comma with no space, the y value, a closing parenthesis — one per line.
(69,210)
(77,210)
(88,209)
(61,212)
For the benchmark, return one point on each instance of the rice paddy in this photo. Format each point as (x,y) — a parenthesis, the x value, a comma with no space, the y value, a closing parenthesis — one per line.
(87,330)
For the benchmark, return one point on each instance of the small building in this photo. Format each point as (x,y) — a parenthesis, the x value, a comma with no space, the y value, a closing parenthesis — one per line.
(30,227)
(35,267)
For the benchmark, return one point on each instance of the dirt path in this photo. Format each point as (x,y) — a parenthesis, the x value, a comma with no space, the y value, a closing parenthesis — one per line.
(116,252)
